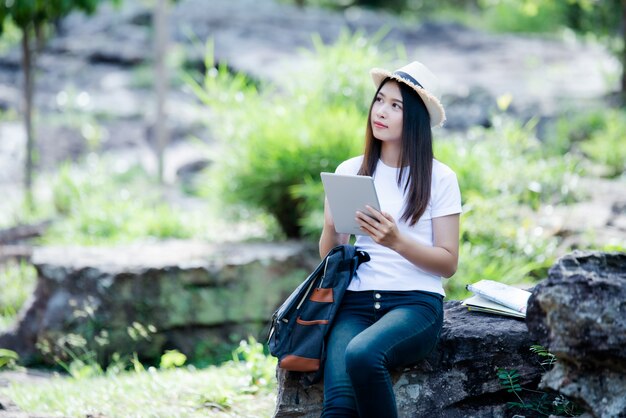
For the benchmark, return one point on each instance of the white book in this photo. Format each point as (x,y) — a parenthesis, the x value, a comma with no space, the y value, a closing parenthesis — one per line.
(479,304)
(504,294)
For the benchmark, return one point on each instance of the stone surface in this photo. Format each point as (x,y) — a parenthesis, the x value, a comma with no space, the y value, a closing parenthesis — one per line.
(458,379)
(195,295)
(579,314)
(606,227)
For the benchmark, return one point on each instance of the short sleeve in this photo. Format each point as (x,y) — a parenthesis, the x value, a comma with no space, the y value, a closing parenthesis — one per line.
(350,166)
(446,195)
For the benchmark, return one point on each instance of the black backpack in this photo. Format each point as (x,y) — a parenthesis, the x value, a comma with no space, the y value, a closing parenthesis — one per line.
(300,324)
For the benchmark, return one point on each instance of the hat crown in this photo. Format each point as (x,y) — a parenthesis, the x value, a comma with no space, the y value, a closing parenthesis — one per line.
(420,73)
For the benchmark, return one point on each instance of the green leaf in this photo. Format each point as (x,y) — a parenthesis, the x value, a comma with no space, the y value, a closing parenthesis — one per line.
(7,357)
(172,359)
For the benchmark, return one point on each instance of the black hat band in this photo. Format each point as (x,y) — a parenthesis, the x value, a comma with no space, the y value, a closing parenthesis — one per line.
(407,77)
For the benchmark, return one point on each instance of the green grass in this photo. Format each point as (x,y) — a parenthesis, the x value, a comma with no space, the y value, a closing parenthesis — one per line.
(98,205)
(241,387)
(100,202)
(223,391)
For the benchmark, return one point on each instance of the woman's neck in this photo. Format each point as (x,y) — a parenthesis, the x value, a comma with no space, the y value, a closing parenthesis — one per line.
(390,154)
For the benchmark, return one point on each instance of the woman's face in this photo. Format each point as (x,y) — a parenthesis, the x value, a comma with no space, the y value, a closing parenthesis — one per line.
(386,114)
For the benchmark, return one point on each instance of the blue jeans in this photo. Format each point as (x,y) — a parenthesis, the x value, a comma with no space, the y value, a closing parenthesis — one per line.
(374,332)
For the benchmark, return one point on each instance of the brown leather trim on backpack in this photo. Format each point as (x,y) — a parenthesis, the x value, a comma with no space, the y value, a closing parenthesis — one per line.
(299,364)
(313,322)
(322,295)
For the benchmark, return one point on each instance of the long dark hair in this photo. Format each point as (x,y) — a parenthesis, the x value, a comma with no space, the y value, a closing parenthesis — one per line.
(416,152)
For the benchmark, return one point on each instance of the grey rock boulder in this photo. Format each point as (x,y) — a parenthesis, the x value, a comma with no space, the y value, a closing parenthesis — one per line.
(579,314)
(145,298)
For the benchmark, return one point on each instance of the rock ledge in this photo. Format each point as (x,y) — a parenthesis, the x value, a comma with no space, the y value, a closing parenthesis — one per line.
(459,378)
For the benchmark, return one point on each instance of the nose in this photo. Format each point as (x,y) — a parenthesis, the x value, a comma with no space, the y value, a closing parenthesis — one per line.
(381,112)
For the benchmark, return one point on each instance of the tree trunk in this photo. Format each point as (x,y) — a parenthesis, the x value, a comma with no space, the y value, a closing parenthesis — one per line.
(27,65)
(161,83)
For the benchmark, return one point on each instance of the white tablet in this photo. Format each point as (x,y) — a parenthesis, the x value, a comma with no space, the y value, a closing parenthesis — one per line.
(346,194)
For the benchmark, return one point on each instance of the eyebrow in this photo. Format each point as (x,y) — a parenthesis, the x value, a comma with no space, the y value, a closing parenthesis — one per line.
(394,100)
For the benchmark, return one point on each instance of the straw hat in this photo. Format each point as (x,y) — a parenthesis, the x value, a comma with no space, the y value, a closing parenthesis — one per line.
(420,79)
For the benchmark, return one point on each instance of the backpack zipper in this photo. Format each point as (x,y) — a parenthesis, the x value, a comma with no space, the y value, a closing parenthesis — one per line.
(311,286)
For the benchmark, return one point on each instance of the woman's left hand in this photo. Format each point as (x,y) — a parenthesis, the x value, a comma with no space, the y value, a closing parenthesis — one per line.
(380,226)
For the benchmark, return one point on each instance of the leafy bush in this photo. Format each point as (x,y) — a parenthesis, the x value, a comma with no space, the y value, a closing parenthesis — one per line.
(260,366)
(598,134)
(500,242)
(508,160)
(279,156)
(607,146)
(506,175)
(10,38)
(8,358)
(279,137)
(523,16)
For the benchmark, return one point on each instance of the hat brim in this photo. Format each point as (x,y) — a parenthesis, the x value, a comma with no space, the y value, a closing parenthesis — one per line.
(433,105)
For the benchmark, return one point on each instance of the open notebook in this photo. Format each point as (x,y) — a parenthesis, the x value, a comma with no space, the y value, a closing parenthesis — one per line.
(497,298)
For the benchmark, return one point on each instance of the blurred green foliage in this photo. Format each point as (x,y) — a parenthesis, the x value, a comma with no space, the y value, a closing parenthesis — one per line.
(9,37)
(8,358)
(260,366)
(31,13)
(278,138)
(599,16)
(506,174)
(99,205)
(597,135)
(524,15)
(172,359)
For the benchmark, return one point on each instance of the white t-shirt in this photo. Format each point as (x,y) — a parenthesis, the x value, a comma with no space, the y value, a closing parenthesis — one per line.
(388,270)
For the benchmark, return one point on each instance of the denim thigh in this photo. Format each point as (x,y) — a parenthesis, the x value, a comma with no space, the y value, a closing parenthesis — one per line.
(373,332)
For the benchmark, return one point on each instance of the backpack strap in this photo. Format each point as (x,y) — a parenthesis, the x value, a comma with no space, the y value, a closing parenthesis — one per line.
(362,257)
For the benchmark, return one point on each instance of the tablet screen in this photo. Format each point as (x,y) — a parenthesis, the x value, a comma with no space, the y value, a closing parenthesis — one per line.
(346,194)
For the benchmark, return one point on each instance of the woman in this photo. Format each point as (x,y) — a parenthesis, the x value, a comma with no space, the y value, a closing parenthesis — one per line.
(392,313)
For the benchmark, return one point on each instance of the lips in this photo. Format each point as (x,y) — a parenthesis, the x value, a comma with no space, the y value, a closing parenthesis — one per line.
(379,125)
